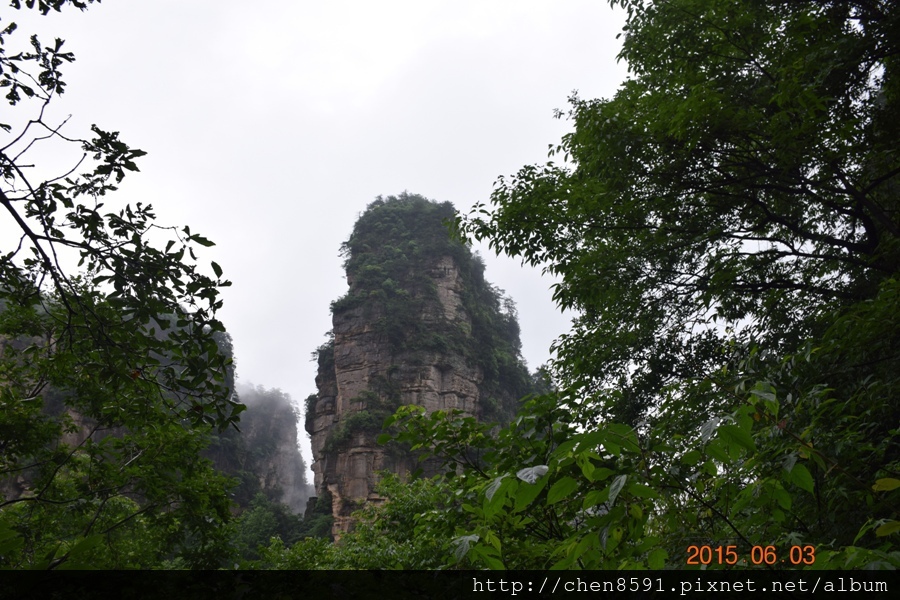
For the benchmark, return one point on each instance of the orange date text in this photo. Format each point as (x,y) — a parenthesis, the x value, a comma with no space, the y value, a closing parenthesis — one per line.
(759,555)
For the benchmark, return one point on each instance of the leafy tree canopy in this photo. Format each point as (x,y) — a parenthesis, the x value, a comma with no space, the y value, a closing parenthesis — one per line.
(111,376)
(744,177)
(385,537)
(727,228)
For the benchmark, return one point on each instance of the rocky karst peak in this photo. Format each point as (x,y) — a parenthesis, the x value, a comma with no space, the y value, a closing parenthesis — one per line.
(418,325)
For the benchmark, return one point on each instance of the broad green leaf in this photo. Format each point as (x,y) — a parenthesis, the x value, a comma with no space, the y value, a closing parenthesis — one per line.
(565,448)
(76,556)
(587,467)
(642,491)
(486,554)
(595,497)
(737,435)
(561,489)
(888,528)
(782,497)
(612,447)
(601,474)
(202,240)
(691,458)
(589,441)
(764,391)
(801,476)
(886,485)
(625,436)
(715,450)
(590,542)
(657,559)
(525,494)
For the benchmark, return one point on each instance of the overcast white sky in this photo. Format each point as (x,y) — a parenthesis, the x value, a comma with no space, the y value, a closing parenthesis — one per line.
(269,126)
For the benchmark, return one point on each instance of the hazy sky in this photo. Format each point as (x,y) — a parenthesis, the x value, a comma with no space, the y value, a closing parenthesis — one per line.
(269,126)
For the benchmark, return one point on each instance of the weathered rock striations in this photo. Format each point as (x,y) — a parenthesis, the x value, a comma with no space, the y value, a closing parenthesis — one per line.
(369,369)
(363,363)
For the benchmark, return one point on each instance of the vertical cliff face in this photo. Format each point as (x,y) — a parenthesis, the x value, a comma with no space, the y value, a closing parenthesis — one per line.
(418,326)
(366,379)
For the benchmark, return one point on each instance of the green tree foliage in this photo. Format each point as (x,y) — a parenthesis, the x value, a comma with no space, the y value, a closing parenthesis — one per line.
(386,536)
(319,518)
(727,228)
(501,511)
(745,174)
(263,521)
(111,380)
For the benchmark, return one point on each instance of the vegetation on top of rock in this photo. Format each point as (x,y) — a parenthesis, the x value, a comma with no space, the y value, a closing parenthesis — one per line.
(390,260)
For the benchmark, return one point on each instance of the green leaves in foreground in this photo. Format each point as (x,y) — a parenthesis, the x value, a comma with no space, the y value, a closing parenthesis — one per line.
(543,493)
(726,229)
(111,374)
